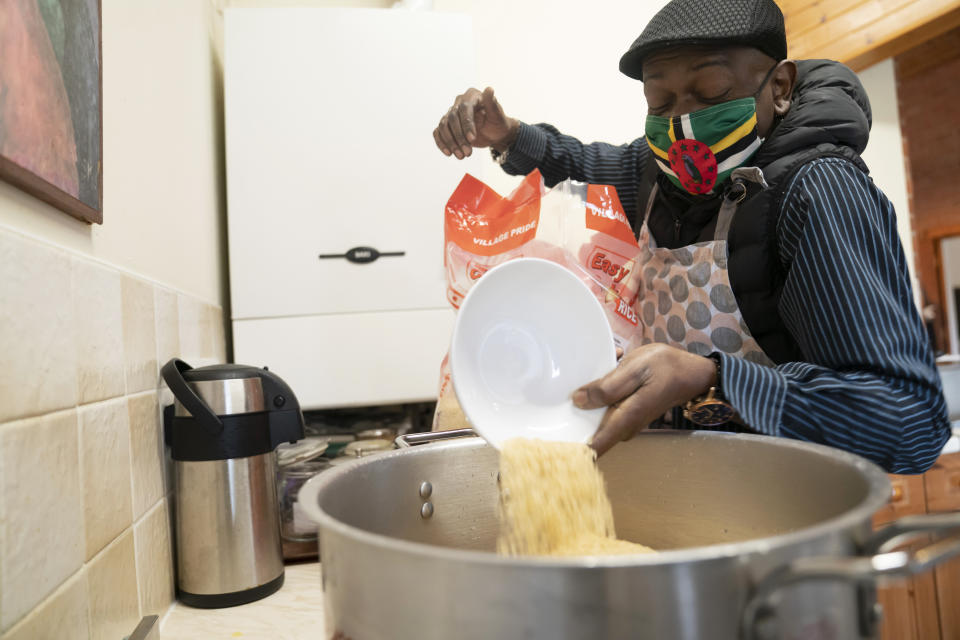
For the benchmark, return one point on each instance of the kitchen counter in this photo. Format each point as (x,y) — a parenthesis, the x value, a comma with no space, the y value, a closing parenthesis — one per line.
(295,612)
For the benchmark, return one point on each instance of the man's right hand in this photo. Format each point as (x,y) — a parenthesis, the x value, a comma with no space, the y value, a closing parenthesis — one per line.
(476,119)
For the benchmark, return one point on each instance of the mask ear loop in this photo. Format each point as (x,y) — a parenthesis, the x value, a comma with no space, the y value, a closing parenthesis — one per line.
(776,117)
(766,79)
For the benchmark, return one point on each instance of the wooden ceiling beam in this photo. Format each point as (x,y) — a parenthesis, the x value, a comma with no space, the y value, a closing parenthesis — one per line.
(860,33)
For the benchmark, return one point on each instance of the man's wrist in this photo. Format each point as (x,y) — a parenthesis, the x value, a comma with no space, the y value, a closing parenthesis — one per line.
(504,145)
(526,151)
(707,376)
(717,377)
(711,407)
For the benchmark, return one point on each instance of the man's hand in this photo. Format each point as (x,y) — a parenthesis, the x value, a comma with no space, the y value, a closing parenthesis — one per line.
(476,119)
(648,382)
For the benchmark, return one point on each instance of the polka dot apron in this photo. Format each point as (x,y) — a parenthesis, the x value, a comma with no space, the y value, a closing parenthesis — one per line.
(684,295)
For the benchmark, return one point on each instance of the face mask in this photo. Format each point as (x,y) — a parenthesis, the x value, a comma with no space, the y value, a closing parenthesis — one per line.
(700,150)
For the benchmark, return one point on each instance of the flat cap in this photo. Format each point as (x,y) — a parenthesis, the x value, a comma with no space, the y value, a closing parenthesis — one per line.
(754,23)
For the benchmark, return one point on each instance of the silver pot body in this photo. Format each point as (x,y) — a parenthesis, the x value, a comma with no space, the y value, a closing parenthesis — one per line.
(407,542)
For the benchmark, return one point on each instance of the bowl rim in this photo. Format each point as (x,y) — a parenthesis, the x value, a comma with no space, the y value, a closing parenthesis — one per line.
(561,272)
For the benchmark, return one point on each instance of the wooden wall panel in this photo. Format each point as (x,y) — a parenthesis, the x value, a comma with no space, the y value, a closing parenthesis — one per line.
(860,33)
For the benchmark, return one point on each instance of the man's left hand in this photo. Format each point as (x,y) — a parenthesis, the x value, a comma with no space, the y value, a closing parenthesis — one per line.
(648,382)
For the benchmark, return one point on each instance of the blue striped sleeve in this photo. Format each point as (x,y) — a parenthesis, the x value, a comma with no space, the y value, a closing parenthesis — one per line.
(869,384)
(560,157)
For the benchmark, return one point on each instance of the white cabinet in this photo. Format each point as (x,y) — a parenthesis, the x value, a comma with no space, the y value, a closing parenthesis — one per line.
(329,114)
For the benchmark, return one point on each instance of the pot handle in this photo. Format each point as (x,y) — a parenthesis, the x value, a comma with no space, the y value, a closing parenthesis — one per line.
(863,570)
(412,439)
(903,529)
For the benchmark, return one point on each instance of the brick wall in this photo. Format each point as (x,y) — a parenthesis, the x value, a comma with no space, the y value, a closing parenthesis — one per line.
(928,93)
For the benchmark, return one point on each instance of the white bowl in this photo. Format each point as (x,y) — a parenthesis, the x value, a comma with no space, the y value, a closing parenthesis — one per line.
(528,334)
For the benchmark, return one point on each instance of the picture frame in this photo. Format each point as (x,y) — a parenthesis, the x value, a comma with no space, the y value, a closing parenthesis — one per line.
(51,102)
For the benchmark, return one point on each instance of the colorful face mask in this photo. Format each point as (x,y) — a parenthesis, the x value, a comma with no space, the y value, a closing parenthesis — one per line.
(699,150)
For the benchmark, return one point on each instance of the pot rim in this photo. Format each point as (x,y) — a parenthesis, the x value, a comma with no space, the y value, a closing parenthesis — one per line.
(878,494)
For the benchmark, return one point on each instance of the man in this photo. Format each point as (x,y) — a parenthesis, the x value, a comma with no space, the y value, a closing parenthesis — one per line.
(775,301)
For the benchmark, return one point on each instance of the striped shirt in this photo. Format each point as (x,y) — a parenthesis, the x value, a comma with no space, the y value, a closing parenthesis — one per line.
(869,384)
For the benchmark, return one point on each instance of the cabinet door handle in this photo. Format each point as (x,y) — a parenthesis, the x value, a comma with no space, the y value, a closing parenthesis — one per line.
(362,255)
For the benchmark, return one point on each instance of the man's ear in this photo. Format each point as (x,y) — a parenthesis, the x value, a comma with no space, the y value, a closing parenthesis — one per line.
(783,80)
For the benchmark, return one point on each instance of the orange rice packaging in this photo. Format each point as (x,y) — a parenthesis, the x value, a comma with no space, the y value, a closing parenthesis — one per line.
(577,225)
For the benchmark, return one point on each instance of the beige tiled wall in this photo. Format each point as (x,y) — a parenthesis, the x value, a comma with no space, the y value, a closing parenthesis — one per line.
(85,536)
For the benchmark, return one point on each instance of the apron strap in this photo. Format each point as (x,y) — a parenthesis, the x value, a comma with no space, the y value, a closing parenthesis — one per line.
(730,203)
(646,181)
(735,196)
(650,201)
(727,210)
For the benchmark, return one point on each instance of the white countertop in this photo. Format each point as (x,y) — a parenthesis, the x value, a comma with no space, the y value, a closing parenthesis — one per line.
(295,612)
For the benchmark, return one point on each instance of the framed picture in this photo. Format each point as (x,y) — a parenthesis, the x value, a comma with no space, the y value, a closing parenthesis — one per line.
(51,106)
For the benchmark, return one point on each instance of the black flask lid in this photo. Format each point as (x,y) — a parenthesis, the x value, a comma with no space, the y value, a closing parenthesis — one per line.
(204,435)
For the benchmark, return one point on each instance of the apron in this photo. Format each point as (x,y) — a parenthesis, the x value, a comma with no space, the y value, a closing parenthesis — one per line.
(684,297)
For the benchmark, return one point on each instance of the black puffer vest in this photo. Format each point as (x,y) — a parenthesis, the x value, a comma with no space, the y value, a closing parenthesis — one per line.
(829,116)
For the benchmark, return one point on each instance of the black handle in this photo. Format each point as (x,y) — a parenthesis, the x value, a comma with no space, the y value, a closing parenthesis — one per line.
(172,373)
(286,419)
(362,255)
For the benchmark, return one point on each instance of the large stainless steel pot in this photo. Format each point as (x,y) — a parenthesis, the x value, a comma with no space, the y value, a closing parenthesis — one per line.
(759,538)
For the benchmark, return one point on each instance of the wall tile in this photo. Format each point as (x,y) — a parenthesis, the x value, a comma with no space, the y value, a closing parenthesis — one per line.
(74,480)
(191,328)
(168,325)
(105,456)
(97,309)
(139,334)
(41,531)
(112,578)
(39,372)
(62,616)
(154,560)
(146,452)
(168,346)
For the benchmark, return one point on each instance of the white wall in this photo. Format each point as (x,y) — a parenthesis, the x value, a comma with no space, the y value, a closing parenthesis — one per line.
(548,60)
(884,154)
(557,61)
(950,256)
(162,158)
